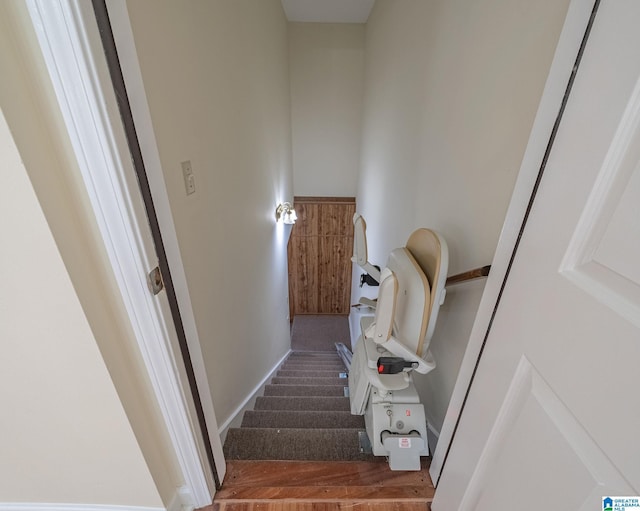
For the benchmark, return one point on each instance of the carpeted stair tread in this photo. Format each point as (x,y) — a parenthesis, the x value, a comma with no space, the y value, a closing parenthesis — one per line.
(284,380)
(311,332)
(323,361)
(303,414)
(314,356)
(334,370)
(309,355)
(295,419)
(312,367)
(311,374)
(328,361)
(303,403)
(294,444)
(314,360)
(317,355)
(304,390)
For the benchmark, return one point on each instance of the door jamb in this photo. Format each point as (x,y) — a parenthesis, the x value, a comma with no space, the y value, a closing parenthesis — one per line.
(87,103)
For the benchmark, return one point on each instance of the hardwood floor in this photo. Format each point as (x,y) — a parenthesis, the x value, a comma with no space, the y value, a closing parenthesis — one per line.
(324,506)
(322,486)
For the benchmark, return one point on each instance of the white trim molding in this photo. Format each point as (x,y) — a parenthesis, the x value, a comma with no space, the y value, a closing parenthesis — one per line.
(40,506)
(247,404)
(65,31)
(123,36)
(181,501)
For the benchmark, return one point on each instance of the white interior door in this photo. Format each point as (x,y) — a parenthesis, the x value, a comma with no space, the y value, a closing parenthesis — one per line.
(553,415)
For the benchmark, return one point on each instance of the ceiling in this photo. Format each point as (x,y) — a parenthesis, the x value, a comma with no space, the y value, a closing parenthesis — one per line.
(328,11)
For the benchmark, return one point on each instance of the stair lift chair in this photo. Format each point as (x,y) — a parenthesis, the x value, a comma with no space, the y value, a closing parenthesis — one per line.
(394,343)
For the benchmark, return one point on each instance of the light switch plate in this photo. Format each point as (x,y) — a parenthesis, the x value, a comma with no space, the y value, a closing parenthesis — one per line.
(187,174)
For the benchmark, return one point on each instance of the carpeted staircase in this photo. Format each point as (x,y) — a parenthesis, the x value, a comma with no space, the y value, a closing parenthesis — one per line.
(303,415)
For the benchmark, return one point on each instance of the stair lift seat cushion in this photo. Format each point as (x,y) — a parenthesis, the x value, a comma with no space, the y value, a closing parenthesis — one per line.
(430,251)
(413,300)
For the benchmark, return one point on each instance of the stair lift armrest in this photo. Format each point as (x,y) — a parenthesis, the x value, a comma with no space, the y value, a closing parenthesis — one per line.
(368,302)
(392,345)
(360,254)
(380,329)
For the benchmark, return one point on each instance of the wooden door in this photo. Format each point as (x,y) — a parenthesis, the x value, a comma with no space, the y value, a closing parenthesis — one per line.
(319,253)
(553,413)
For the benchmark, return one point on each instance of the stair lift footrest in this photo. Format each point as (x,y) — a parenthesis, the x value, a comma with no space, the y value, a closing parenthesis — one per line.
(404,449)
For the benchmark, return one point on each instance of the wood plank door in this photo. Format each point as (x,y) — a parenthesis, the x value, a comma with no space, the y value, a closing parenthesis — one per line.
(553,414)
(319,253)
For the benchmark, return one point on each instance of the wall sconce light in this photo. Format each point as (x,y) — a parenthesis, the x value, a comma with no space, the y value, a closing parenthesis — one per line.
(286,213)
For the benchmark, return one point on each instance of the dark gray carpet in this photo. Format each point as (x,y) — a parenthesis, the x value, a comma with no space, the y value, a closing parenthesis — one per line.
(304,390)
(311,373)
(308,381)
(289,419)
(303,415)
(303,403)
(319,332)
(295,444)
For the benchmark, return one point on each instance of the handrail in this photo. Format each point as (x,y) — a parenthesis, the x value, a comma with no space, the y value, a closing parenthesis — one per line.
(468,275)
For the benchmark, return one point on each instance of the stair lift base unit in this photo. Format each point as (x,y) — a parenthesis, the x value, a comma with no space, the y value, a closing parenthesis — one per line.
(405,315)
(397,430)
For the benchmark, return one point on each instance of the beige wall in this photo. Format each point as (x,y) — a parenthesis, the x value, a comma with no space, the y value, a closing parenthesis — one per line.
(326,68)
(80,447)
(64,436)
(216,79)
(451,90)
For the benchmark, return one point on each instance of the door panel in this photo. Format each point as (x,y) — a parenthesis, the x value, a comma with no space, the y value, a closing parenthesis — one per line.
(303,274)
(319,254)
(554,410)
(335,273)
(561,460)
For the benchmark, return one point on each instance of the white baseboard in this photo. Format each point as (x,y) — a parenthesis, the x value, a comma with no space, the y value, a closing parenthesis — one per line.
(432,437)
(236,417)
(181,501)
(43,506)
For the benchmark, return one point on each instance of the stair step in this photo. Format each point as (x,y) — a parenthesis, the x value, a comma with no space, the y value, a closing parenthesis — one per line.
(301,419)
(302,366)
(375,473)
(285,380)
(314,354)
(304,390)
(293,444)
(312,374)
(303,403)
(330,486)
(310,363)
(310,360)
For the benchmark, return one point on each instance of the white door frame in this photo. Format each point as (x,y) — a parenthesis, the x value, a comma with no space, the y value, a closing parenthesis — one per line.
(569,44)
(87,101)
